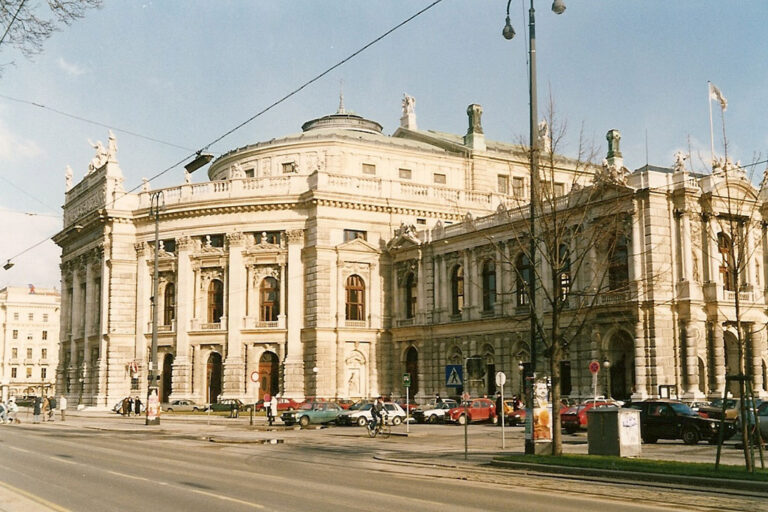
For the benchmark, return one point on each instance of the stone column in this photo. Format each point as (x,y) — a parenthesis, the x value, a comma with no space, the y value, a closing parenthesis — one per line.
(143,301)
(718,354)
(691,361)
(294,360)
(74,327)
(636,268)
(749,255)
(466,258)
(641,379)
(685,243)
(181,368)
(88,318)
(376,303)
(500,279)
(757,339)
(714,254)
(421,290)
(281,315)
(234,366)
(340,369)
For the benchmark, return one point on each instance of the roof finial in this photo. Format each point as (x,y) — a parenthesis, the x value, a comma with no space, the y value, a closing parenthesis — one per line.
(341,98)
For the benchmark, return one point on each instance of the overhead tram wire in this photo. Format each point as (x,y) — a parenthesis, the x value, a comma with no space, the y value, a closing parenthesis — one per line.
(258,114)
(8,29)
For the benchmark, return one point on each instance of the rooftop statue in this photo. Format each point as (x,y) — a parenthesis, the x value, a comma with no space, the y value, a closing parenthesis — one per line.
(680,159)
(68,178)
(409,104)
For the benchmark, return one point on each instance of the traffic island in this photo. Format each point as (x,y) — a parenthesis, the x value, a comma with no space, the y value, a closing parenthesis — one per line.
(672,472)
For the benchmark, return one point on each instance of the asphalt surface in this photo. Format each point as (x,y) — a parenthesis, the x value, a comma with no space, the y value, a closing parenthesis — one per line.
(101,461)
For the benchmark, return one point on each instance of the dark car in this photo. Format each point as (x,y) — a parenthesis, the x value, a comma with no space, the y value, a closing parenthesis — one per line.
(226,405)
(671,419)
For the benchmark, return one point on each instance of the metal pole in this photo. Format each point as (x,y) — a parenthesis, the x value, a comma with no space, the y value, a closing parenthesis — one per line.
(407,409)
(529,441)
(153,418)
(503,417)
(466,429)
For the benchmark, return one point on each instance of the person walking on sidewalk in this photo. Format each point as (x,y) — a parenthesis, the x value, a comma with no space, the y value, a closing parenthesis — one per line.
(499,410)
(52,408)
(36,408)
(268,407)
(63,406)
(272,411)
(137,406)
(13,410)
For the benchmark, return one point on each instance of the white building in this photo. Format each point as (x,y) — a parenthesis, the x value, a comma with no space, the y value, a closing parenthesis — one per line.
(29,344)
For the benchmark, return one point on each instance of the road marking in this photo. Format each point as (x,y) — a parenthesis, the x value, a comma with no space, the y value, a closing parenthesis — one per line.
(227,498)
(65,461)
(34,498)
(19,449)
(125,475)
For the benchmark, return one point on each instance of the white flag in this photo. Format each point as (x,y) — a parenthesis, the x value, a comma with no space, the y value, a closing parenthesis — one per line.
(715,94)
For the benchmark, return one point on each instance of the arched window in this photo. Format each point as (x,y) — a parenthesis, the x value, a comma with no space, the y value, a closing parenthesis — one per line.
(564,269)
(522,279)
(215,301)
(727,275)
(618,265)
(169,304)
(410,296)
(489,285)
(457,290)
(355,298)
(270,299)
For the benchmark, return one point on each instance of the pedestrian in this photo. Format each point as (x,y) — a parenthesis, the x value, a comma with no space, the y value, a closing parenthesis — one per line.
(52,408)
(36,408)
(137,406)
(63,406)
(130,406)
(125,407)
(268,407)
(3,413)
(45,407)
(499,410)
(272,411)
(233,409)
(13,410)
(438,400)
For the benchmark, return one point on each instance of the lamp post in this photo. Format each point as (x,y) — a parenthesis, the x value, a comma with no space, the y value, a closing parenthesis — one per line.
(156,203)
(607,366)
(558,7)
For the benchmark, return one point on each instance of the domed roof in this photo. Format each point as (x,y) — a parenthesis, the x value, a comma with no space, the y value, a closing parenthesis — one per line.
(342,120)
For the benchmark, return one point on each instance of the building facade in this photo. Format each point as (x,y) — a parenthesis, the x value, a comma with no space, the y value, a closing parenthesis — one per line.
(29,344)
(330,262)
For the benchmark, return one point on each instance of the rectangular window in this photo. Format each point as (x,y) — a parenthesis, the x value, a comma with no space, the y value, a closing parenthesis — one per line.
(439,178)
(45,335)
(369,169)
(43,372)
(249,173)
(421,222)
(168,245)
(29,353)
(29,372)
(214,240)
(559,189)
(14,353)
(518,187)
(15,334)
(13,372)
(15,316)
(289,167)
(44,353)
(31,317)
(45,317)
(352,234)
(502,184)
(268,237)
(405,174)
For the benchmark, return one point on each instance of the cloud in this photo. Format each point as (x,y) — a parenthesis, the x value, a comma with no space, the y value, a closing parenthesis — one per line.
(70,68)
(40,264)
(15,148)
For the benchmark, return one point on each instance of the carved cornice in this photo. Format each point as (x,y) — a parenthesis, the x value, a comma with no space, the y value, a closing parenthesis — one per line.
(295,236)
(184,243)
(235,239)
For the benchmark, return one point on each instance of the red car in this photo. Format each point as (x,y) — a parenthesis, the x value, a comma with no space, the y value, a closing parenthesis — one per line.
(575,418)
(412,406)
(283,404)
(479,409)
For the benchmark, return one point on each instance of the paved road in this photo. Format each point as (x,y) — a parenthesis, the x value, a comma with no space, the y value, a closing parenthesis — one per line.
(106,463)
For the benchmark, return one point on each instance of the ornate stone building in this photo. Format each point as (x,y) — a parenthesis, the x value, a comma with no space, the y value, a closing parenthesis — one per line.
(330,262)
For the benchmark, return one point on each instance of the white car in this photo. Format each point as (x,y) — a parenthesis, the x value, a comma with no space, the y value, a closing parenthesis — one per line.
(434,413)
(394,413)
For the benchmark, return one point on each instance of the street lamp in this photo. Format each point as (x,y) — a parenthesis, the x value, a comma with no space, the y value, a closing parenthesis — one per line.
(607,366)
(156,203)
(558,7)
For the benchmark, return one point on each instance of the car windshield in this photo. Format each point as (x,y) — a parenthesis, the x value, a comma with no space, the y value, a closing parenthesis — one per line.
(306,407)
(357,406)
(682,409)
(718,402)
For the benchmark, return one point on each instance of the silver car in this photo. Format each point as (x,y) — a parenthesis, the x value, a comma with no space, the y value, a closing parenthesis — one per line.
(183,406)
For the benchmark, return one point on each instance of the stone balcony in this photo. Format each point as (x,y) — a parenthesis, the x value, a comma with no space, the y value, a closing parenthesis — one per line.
(715,292)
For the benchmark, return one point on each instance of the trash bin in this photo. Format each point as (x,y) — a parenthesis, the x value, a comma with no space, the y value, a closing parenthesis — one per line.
(613,431)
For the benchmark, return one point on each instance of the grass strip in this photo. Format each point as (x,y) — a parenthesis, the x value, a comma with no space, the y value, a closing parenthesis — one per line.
(667,467)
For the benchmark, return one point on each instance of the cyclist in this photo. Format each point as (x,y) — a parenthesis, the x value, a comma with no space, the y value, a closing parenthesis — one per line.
(376,411)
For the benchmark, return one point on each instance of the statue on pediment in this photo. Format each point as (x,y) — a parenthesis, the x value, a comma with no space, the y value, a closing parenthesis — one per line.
(409,104)
(100,158)
(611,173)
(68,178)
(680,159)
(112,147)
(545,138)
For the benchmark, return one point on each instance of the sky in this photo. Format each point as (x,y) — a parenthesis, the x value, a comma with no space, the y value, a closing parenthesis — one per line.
(186,72)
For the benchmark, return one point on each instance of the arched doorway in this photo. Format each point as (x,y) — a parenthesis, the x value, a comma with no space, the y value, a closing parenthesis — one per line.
(731,353)
(166,384)
(269,379)
(213,377)
(412,367)
(621,355)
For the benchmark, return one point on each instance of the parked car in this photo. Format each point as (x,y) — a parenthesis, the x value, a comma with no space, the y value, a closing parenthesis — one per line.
(574,418)
(361,416)
(762,416)
(433,413)
(411,405)
(226,405)
(478,409)
(715,409)
(283,404)
(183,406)
(513,416)
(318,413)
(671,419)
(118,407)
(345,403)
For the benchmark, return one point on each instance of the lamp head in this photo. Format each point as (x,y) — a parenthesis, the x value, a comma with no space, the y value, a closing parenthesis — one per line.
(9,265)
(200,160)
(508,32)
(606,364)
(558,7)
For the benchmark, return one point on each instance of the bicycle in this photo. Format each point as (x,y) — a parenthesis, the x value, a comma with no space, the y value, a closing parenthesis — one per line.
(382,428)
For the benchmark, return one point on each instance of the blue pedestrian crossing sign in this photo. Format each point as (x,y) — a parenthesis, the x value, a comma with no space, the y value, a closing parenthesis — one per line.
(454,375)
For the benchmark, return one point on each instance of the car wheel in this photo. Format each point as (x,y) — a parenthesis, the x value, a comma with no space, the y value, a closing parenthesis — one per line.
(649,440)
(570,430)
(433,419)
(195,409)
(361,421)
(397,420)
(169,410)
(691,436)
(304,421)
(462,420)
(495,420)
(288,423)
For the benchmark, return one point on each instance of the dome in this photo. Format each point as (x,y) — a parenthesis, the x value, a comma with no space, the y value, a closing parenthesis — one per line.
(342,121)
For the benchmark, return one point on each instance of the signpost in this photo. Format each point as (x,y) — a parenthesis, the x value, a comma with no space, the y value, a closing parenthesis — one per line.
(407,384)
(501,379)
(254,376)
(454,376)
(594,367)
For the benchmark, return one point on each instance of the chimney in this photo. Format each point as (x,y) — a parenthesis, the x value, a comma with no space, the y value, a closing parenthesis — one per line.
(614,157)
(475,138)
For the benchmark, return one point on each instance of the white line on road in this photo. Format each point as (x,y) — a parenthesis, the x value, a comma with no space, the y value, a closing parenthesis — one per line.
(125,475)
(227,498)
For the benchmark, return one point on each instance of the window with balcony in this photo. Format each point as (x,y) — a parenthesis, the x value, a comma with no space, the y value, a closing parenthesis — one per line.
(216,240)
(489,285)
(457,290)
(169,304)
(44,353)
(268,237)
(518,187)
(564,270)
(618,265)
(502,184)
(215,301)
(269,292)
(44,335)
(355,295)
(410,295)
(290,167)
(439,179)
(522,279)
(727,274)
(29,353)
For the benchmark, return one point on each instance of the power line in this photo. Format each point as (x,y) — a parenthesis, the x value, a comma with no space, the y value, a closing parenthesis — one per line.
(26,193)
(8,29)
(255,116)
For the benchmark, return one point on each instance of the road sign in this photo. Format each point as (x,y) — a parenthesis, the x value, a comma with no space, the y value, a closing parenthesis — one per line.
(501,378)
(454,375)
(254,376)
(407,380)
(594,367)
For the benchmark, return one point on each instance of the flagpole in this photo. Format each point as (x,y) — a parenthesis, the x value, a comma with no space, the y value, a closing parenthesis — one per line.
(711,130)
